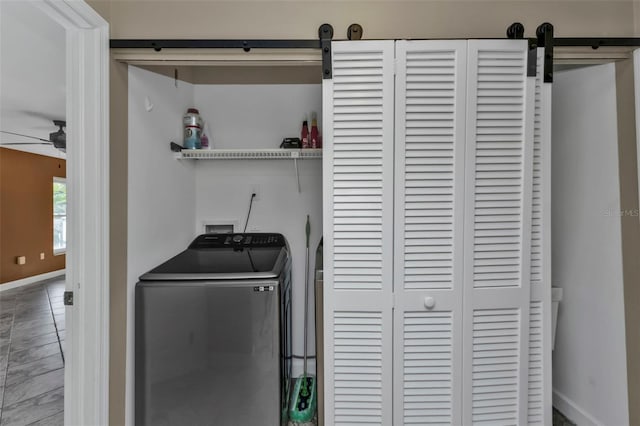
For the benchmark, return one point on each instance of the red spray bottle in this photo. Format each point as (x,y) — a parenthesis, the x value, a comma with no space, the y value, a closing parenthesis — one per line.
(304,136)
(315,137)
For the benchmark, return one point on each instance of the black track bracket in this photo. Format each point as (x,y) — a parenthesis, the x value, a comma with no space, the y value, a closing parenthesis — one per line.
(596,43)
(515,31)
(245,45)
(354,32)
(532,60)
(325,32)
(545,39)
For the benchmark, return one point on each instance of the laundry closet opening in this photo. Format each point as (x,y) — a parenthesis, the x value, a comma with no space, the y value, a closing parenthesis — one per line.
(254,106)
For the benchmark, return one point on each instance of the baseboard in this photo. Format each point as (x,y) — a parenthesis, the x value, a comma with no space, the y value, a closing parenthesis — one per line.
(31,280)
(572,411)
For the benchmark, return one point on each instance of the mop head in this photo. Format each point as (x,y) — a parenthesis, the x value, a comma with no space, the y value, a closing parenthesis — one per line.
(312,422)
(303,401)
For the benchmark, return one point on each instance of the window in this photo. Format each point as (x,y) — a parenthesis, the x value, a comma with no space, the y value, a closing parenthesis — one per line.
(59,215)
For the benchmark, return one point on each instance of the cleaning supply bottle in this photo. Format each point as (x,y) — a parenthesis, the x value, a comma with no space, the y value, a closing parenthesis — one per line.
(304,136)
(315,141)
(192,129)
(205,141)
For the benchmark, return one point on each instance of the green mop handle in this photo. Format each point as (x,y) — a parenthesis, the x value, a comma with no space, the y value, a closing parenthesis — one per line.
(306,298)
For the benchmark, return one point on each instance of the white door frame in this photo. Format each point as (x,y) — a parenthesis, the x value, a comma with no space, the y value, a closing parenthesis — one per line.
(86,393)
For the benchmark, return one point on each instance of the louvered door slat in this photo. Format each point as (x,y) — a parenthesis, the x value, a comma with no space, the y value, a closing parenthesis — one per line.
(499,151)
(429,182)
(358,177)
(536,228)
(539,390)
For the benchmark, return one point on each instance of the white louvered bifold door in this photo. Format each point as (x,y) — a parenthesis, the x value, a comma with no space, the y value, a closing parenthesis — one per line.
(498,174)
(429,195)
(358,227)
(539,402)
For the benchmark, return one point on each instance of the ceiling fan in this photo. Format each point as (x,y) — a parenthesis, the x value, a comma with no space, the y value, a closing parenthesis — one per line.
(58,138)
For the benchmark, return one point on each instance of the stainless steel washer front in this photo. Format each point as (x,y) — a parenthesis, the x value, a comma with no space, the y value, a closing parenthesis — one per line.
(213,351)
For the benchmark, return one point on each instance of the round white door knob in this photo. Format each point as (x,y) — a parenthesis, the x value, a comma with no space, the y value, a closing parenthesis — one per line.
(429,302)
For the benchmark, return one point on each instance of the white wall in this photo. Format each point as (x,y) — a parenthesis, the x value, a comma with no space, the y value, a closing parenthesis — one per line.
(169,200)
(260,116)
(162,194)
(257,115)
(589,360)
(32,76)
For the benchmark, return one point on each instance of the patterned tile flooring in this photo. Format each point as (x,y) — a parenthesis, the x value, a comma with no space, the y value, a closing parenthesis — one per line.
(32,331)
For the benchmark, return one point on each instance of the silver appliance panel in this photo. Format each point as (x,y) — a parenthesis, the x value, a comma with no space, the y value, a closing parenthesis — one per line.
(208,353)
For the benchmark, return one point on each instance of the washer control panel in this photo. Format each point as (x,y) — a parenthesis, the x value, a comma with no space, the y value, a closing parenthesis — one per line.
(237,240)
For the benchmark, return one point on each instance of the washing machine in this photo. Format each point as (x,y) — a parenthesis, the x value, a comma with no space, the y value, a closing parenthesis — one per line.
(213,334)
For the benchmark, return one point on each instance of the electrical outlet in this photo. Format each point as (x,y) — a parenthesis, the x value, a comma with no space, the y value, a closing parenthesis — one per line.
(255,189)
(41,256)
(21,260)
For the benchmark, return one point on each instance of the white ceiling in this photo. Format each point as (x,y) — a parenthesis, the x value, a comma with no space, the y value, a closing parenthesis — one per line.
(32,75)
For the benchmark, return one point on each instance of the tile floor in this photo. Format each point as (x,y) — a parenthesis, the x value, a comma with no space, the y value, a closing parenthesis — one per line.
(560,420)
(32,331)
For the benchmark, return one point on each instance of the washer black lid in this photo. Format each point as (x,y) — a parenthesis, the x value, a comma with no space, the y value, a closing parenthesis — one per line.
(219,256)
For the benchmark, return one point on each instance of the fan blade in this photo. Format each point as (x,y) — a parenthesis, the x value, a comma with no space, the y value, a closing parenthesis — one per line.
(24,136)
(38,114)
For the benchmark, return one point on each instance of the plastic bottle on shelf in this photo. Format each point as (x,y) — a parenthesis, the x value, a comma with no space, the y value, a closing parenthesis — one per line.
(304,136)
(315,137)
(205,141)
(192,129)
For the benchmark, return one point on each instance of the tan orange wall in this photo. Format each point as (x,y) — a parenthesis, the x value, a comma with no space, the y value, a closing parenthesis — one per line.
(118,154)
(26,213)
(380,18)
(636,14)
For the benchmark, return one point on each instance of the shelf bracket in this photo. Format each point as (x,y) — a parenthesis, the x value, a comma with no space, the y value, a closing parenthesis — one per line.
(295,156)
(325,32)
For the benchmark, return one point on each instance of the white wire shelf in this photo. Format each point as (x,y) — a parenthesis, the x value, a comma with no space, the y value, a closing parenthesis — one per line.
(248,154)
